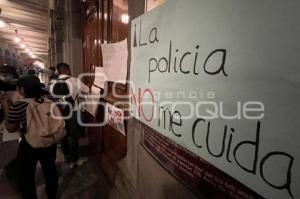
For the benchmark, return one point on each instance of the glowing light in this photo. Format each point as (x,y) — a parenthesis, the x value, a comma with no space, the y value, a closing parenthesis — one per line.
(39,64)
(125,18)
(27,50)
(2,24)
(23,46)
(17,39)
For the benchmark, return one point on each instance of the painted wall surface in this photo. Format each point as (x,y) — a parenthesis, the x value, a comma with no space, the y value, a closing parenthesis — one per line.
(222,80)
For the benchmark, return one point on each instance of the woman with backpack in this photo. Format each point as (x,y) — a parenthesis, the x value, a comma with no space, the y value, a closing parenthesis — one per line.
(41,126)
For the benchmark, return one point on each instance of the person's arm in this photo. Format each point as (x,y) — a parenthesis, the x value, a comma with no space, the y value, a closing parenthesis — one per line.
(14,115)
(11,127)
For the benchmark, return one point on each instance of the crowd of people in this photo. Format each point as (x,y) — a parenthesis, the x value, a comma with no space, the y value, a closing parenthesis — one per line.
(43,116)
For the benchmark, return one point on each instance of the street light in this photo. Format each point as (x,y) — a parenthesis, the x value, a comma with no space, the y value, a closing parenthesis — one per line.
(2,24)
(17,39)
(23,46)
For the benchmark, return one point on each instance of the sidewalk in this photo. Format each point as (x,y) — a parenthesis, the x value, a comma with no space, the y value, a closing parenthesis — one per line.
(85,181)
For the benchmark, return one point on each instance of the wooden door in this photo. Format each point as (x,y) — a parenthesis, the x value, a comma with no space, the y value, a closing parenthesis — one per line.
(106,26)
(91,54)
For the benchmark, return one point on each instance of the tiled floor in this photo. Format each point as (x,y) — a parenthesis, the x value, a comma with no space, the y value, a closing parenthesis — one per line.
(85,182)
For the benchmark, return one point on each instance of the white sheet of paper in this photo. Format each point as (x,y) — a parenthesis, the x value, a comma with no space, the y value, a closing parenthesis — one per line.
(259,48)
(100,77)
(115,61)
(92,101)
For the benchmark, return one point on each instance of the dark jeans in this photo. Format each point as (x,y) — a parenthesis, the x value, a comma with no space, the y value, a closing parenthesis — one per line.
(70,143)
(27,161)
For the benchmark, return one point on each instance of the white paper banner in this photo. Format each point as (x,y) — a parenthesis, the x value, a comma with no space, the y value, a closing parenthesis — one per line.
(115,117)
(115,61)
(91,101)
(221,78)
(100,77)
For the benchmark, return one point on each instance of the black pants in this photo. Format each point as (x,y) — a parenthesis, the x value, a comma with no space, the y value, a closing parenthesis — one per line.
(27,161)
(70,143)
